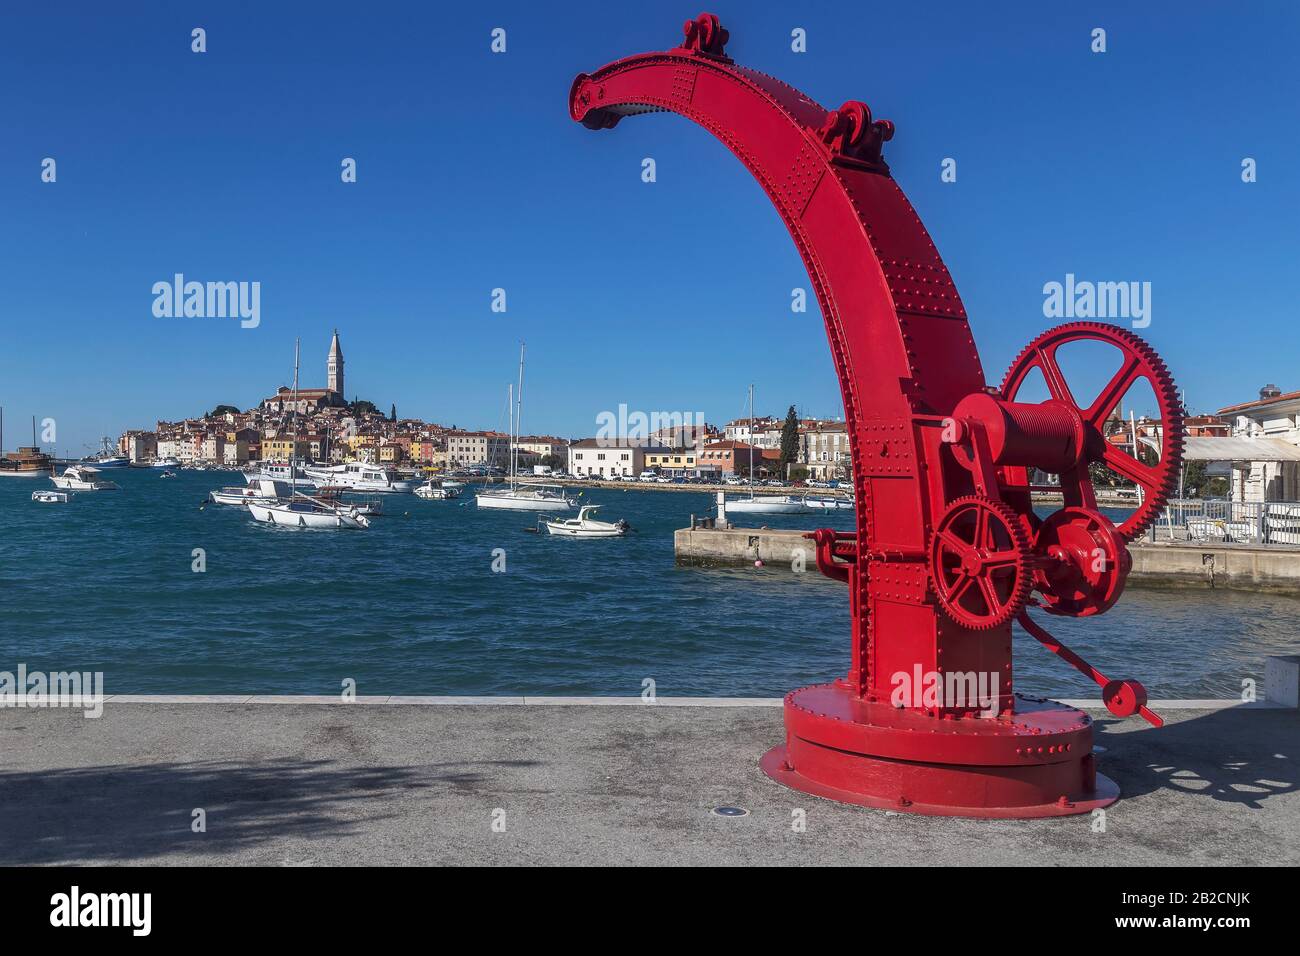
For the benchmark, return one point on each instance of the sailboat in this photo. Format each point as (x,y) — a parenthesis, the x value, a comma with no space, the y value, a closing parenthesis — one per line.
(298,510)
(525,496)
(765,504)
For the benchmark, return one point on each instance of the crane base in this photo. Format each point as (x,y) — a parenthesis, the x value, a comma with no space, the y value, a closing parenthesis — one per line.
(1036,762)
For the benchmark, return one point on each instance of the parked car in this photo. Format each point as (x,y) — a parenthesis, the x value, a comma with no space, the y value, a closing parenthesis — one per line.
(733,480)
(649,476)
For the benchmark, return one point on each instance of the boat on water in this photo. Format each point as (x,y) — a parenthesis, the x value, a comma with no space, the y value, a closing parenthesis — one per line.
(768,505)
(167,463)
(82,478)
(276,471)
(265,488)
(28,462)
(107,457)
(763,504)
(298,510)
(525,496)
(304,511)
(168,474)
(830,502)
(361,476)
(48,497)
(585,526)
(433,490)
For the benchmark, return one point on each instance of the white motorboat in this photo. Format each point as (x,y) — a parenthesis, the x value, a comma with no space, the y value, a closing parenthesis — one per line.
(437,491)
(303,511)
(584,526)
(168,474)
(51,497)
(362,476)
(82,478)
(768,505)
(829,502)
(276,471)
(267,489)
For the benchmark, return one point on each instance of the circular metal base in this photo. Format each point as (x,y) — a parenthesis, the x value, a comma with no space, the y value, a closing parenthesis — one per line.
(1037,762)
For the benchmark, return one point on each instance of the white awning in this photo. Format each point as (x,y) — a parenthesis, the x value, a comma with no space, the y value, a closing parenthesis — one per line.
(1240,449)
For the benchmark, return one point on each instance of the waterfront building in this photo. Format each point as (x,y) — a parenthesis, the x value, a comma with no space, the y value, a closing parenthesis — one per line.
(478,448)
(729,457)
(672,460)
(1264,469)
(605,457)
(139,446)
(824,450)
(542,446)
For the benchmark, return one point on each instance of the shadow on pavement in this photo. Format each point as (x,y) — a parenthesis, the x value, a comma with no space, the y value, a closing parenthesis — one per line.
(1231,756)
(121,812)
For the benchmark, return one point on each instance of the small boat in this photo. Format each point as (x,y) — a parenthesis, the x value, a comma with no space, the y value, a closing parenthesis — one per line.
(51,497)
(371,508)
(265,488)
(362,476)
(584,526)
(303,511)
(82,478)
(168,474)
(524,497)
(168,462)
(437,490)
(276,471)
(768,505)
(829,502)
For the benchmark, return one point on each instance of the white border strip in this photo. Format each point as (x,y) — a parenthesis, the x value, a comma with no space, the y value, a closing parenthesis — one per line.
(292,699)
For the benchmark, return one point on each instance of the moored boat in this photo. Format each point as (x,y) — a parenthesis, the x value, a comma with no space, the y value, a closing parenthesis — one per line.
(82,478)
(361,476)
(303,511)
(50,497)
(585,526)
(434,490)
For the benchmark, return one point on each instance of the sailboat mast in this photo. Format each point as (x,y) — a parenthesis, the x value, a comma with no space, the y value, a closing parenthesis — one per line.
(519,414)
(510,414)
(293,451)
(751,440)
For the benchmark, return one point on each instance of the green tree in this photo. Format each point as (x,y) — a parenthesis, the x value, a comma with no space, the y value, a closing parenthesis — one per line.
(362,407)
(222,410)
(392,416)
(789,439)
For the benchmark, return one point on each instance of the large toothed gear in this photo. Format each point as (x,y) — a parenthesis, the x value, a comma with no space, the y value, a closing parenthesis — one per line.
(1140,361)
(980,565)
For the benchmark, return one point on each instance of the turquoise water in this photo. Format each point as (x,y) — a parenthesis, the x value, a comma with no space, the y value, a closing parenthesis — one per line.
(412,606)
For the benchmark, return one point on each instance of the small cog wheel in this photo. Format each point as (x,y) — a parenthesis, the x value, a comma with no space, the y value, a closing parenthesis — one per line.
(980,562)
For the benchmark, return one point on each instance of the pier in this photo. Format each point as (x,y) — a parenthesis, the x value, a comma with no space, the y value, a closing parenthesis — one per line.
(1162,564)
(285,781)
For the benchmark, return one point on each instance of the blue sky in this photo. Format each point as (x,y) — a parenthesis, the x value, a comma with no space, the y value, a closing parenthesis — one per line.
(669,296)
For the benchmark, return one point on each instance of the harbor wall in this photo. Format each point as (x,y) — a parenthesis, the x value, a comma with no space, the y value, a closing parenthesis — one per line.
(1163,565)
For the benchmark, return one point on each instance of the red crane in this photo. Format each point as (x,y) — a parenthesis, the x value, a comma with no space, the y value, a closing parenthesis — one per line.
(948,550)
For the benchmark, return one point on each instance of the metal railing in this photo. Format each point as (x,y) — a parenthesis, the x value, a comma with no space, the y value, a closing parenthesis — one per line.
(1229,522)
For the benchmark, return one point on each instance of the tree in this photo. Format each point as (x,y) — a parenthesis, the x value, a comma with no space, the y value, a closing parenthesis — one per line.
(392,416)
(222,410)
(789,439)
(362,407)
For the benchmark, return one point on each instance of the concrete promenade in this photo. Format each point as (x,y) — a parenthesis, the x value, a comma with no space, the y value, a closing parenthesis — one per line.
(284,781)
